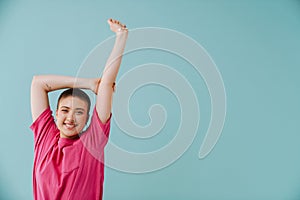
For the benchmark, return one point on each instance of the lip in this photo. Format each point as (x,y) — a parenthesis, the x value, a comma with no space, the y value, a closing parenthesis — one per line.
(69,126)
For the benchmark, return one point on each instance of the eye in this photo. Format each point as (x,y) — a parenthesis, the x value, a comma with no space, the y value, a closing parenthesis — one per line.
(79,113)
(64,110)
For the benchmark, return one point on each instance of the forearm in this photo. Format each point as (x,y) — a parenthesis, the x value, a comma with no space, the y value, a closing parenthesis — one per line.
(114,60)
(53,82)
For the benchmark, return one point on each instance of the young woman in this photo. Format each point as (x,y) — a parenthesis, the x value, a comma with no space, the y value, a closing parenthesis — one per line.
(68,162)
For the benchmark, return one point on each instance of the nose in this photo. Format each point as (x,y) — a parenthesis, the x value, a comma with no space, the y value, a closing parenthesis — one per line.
(70,117)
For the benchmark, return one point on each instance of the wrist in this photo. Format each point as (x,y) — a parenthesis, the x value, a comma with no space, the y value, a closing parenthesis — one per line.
(122,31)
(94,84)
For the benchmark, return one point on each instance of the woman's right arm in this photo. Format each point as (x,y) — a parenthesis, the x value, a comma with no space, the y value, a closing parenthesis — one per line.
(41,85)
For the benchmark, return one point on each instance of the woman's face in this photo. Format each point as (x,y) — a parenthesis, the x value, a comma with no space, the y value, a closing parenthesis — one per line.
(71,116)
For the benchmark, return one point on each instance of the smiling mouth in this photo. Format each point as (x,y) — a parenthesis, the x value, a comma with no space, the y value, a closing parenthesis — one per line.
(69,126)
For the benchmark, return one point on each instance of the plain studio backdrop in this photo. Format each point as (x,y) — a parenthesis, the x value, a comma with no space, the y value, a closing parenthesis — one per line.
(255,45)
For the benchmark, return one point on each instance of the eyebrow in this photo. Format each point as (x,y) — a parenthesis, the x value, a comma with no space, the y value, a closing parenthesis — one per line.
(79,109)
(82,109)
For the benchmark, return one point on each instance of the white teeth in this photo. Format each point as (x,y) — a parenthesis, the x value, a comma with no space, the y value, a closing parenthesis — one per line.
(70,125)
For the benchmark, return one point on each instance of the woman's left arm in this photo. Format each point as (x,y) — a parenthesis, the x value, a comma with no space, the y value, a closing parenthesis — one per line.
(106,86)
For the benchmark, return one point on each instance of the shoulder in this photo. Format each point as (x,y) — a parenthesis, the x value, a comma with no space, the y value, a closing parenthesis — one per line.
(97,126)
(96,120)
(43,118)
(44,124)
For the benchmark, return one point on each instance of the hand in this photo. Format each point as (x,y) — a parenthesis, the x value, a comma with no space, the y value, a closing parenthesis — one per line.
(95,84)
(116,26)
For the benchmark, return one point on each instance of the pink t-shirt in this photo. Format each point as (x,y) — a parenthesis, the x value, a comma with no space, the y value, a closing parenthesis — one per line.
(68,168)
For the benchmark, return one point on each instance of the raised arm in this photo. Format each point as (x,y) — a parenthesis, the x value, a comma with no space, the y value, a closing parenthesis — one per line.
(106,86)
(41,85)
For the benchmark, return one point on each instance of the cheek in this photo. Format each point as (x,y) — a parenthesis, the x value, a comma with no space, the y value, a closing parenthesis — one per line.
(81,119)
(60,118)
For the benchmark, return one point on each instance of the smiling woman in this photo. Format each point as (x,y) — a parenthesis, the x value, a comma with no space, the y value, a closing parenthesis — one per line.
(63,166)
(72,112)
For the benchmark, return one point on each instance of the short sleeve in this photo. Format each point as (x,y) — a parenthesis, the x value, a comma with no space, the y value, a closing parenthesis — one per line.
(96,136)
(44,130)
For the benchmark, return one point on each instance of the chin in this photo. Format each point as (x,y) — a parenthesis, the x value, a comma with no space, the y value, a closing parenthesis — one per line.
(75,135)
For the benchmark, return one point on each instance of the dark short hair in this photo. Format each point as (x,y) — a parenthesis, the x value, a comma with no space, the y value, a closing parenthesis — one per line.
(75,92)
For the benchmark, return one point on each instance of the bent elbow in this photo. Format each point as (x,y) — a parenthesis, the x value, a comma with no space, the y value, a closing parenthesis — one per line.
(34,80)
(37,82)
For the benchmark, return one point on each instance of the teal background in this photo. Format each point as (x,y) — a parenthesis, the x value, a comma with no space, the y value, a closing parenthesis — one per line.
(255,45)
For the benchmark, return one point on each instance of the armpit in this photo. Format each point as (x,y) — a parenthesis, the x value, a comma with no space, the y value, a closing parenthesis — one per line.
(114,86)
